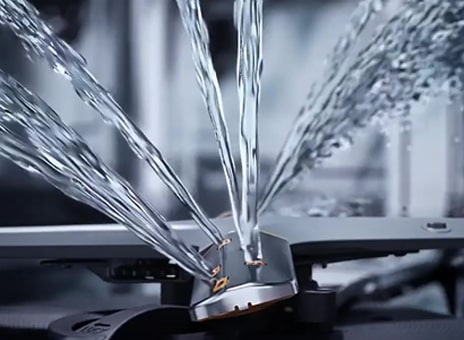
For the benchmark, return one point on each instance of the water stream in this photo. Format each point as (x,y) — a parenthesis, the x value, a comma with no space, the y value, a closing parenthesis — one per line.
(33,136)
(414,56)
(364,13)
(248,14)
(194,24)
(249,17)
(411,58)
(40,42)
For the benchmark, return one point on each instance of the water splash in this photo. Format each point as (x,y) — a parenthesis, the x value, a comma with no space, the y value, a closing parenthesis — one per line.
(299,203)
(411,58)
(249,15)
(194,24)
(365,12)
(40,41)
(34,137)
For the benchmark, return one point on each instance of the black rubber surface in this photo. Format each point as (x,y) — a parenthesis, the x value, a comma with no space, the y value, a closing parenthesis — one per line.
(31,317)
(32,323)
(29,322)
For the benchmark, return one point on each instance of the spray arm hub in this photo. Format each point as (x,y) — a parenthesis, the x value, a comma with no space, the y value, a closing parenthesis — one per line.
(242,287)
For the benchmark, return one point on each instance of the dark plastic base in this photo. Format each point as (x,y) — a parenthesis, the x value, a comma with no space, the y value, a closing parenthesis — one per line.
(153,322)
(313,313)
(168,322)
(287,318)
(148,322)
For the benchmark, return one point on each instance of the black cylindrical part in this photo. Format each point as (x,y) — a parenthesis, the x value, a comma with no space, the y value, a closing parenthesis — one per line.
(317,308)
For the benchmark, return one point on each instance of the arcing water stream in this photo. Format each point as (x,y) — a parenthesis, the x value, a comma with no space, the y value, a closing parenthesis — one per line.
(364,13)
(195,26)
(249,68)
(40,41)
(411,58)
(34,137)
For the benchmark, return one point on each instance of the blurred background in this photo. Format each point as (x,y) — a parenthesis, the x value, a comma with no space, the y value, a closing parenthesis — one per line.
(139,51)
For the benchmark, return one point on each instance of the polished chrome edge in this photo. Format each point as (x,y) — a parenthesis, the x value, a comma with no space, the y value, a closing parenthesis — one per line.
(242,298)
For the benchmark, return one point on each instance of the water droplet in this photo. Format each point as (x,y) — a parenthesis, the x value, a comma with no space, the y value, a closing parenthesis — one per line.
(60,69)
(377,5)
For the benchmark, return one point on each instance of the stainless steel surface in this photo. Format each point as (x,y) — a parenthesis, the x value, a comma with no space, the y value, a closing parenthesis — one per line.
(248,286)
(314,235)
